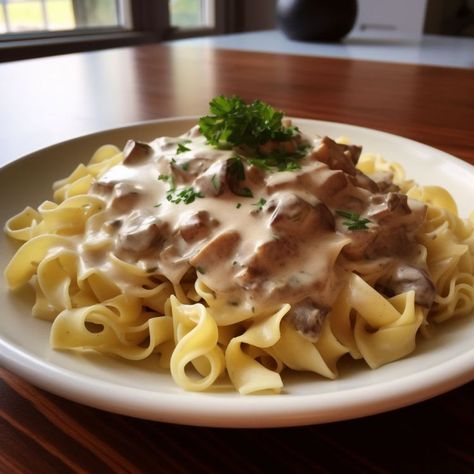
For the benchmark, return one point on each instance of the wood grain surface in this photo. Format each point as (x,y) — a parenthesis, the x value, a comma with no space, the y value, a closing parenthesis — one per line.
(44,101)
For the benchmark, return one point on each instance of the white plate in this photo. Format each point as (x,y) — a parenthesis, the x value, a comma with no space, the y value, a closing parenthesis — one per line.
(139,389)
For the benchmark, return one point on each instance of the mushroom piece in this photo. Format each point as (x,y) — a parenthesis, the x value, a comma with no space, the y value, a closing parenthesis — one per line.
(308,318)
(406,278)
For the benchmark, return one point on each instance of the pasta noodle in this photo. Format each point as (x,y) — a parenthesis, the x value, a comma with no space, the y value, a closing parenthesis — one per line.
(131,261)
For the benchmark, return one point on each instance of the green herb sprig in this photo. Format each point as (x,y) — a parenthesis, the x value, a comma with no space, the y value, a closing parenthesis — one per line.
(186,195)
(354,220)
(182,149)
(260,203)
(233,123)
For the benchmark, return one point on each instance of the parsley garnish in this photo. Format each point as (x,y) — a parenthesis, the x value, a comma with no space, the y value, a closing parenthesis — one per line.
(244,192)
(235,174)
(235,123)
(354,220)
(182,148)
(238,205)
(260,203)
(187,195)
(185,166)
(279,161)
(215,182)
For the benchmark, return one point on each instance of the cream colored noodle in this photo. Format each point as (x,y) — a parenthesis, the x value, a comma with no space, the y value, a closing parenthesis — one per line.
(98,299)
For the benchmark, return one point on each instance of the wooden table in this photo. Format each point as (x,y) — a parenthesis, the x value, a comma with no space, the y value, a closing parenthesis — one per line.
(47,100)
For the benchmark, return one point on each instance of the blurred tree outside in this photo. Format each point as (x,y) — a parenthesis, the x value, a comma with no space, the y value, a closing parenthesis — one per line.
(36,15)
(187,13)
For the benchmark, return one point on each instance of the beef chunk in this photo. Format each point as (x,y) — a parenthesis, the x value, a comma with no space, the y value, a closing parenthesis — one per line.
(388,205)
(196,226)
(337,157)
(136,152)
(308,318)
(406,278)
(125,197)
(293,215)
(219,249)
(140,232)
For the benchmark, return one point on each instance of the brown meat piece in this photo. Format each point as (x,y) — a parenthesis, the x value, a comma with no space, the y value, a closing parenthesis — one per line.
(408,277)
(196,226)
(213,181)
(308,318)
(293,215)
(140,232)
(337,157)
(267,259)
(384,181)
(125,197)
(363,181)
(353,152)
(136,152)
(388,205)
(361,240)
(219,249)
(104,186)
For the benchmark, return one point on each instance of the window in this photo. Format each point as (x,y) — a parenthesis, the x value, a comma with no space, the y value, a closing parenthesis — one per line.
(27,16)
(192,13)
(32,28)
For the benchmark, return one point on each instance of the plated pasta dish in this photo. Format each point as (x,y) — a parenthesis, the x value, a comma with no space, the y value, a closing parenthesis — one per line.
(241,250)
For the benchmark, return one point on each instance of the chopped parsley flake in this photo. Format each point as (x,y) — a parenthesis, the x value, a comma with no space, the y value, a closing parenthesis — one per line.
(215,182)
(185,166)
(235,174)
(186,195)
(244,192)
(182,148)
(238,205)
(260,203)
(354,220)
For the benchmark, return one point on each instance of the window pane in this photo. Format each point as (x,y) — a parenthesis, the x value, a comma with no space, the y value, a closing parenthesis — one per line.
(96,13)
(25,15)
(3,26)
(60,14)
(191,13)
(18,16)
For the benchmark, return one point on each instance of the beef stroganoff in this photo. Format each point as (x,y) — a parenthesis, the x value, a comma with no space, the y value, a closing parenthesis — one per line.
(243,247)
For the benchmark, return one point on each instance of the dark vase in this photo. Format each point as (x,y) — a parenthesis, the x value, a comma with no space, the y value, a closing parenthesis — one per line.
(316,20)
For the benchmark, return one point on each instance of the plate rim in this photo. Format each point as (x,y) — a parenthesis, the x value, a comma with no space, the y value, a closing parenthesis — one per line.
(327,409)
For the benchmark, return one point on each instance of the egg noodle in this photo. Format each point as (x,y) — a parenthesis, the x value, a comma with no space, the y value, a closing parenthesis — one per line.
(128,261)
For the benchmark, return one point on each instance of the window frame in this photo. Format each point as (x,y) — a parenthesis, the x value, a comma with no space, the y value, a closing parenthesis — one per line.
(149,22)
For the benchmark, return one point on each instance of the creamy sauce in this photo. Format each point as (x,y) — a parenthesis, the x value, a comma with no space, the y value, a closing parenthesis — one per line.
(285,244)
